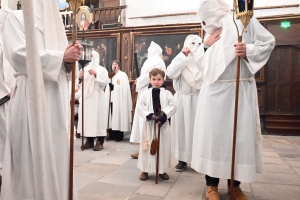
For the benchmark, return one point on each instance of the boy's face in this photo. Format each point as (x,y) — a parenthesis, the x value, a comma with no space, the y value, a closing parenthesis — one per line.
(156,81)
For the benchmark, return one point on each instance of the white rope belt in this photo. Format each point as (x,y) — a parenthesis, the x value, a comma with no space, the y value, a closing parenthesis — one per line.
(234,80)
(19,74)
(187,93)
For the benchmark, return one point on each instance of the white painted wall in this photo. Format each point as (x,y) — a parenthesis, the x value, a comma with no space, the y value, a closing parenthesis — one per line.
(136,8)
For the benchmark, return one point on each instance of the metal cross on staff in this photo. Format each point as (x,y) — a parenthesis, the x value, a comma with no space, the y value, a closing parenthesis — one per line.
(244,12)
(74,4)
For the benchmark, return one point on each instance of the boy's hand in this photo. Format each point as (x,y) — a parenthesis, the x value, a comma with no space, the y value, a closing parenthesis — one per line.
(240,49)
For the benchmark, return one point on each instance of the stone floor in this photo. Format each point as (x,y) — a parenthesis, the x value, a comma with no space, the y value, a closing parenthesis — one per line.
(111,174)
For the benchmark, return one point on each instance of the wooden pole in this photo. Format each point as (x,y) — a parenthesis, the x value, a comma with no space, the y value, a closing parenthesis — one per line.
(157,157)
(107,129)
(236,104)
(74,4)
(82,111)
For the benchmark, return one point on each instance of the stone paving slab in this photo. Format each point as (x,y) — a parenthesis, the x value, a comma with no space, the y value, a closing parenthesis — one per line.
(275,191)
(279,178)
(144,197)
(99,191)
(82,179)
(150,188)
(113,157)
(123,176)
(285,169)
(96,168)
(188,187)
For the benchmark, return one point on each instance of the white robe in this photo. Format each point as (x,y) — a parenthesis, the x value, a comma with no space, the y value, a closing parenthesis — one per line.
(122,103)
(7,82)
(186,98)
(215,111)
(142,83)
(95,107)
(147,162)
(19,166)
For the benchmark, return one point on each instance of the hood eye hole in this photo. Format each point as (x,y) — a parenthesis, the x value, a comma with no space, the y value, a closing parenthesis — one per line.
(203,23)
(193,42)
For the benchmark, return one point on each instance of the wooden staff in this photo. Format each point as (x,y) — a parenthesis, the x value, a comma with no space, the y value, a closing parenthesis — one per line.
(245,19)
(157,157)
(82,111)
(107,129)
(75,4)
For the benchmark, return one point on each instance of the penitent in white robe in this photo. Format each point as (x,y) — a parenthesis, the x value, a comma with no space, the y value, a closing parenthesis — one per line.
(147,162)
(19,167)
(215,112)
(154,61)
(95,107)
(120,118)
(186,98)
(7,82)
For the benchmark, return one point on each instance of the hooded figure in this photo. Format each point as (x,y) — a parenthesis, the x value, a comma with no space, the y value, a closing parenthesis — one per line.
(36,165)
(7,81)
(154,61)
(120,101)
(213,128)
(187,78)
(95,121)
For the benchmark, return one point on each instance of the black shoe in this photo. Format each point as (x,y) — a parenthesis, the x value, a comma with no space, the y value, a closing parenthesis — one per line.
(180,166)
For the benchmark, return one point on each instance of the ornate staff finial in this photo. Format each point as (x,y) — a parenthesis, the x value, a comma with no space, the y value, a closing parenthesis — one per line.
(244,10)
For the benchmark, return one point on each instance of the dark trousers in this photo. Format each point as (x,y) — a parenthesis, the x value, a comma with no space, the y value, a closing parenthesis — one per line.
(100,139)
(211,181)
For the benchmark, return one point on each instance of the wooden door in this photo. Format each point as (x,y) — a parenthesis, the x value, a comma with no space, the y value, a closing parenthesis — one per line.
(283,81)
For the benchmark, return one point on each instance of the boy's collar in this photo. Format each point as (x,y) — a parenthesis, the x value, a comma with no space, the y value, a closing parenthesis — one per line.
(162,86)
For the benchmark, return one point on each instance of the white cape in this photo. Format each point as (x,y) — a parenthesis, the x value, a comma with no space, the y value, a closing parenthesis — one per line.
(122,103)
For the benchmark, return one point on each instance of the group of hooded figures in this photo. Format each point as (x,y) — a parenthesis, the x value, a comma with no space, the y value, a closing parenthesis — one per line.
(201,111)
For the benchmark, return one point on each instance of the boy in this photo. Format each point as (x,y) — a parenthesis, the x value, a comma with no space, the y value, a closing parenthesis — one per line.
(154,100)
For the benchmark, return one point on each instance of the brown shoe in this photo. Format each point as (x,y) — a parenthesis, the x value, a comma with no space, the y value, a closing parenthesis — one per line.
(135,155)
(98,146)
(88,144)
(77,135)
(144,176)
(212,193)
(237,193)
(164,176)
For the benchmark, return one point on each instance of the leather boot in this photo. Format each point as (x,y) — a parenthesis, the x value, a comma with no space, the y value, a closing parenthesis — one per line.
(135,155)
(98,146)
(88,144)
(212,193)
(144,176)
(237,193)
(164,176)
